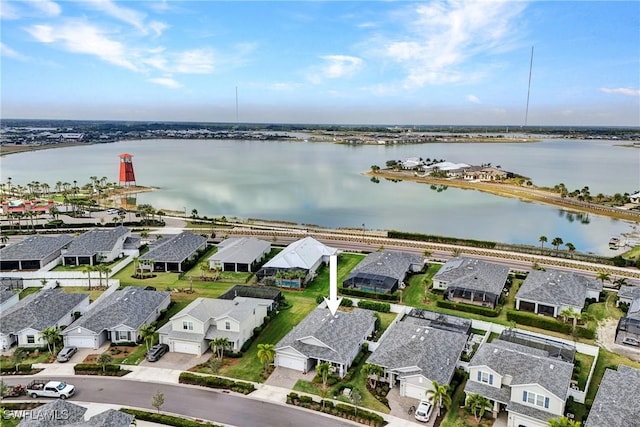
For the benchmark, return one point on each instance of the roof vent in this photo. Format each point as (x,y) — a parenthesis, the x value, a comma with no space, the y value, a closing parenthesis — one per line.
(413,336)
(551,367)
(421,338)
(495,351)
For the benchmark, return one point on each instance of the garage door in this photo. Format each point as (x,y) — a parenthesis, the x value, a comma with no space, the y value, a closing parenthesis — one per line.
(186,347)
(412,390)
(291,362)
(81,342)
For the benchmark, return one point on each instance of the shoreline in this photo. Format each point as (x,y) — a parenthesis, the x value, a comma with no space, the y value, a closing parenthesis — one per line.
(509,190)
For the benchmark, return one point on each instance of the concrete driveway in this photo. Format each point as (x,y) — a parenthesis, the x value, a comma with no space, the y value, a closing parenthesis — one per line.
(286,378)
(180,361)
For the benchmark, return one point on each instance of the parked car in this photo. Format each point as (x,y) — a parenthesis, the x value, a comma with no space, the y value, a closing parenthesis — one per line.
(66,353)
(423,413)
(113,211)
(157,351)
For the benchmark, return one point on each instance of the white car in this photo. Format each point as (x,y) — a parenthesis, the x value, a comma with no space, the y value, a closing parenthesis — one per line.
(423,413)
(112,211)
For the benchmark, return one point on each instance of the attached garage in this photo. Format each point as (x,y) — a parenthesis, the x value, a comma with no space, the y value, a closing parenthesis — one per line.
(81,341)
(185,347)
(285,360)
(414,391)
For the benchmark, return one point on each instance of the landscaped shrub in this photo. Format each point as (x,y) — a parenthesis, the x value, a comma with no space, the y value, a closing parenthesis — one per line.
(165,419)
(23,369)
(393,234)
(340,410)
(216,382)
(383,307)
(106,370)
(530,319)
(370,295)
(469,308)
(584,332)
(346,302)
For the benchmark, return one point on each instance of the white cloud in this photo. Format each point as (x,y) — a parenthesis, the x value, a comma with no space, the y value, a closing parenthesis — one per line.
(444,36)
(10,53)
(335,67)
(158,27)
(166,81)
(628,91)
(81,37)
(47,7)
(8,11)
(128,15)
(197,61)
(473,98)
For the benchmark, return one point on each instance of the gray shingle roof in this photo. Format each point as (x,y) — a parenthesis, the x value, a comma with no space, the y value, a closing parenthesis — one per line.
(177,248)
(39,311)
(616,402)
(630,292)
(130,306)
(242,250)
(42,415)
(391,264)
(96,240)
(341,334)
(473,274)
(525,368)
(413,342)
(6,293)
(555,287)
(108,418)
(34,247)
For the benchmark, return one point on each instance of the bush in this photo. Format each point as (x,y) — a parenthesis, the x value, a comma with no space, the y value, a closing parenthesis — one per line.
(383,307)
(469,308)
(164,419)
(22,368)
(584,332)
(93,369)
(346,302)
(542,322)
(216,382)
(340,409)
(393,234)
(370,295)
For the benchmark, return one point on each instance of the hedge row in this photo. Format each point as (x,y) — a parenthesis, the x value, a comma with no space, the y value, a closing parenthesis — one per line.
(529,319)
(394,234)
(168,420)
(367,294)
(340,410)
(23,368)
(106,370)
(469,308)
(383,307)
(345,302)
(216,382)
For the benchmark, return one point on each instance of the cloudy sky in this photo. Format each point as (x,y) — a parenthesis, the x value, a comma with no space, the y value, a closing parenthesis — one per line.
(428,62)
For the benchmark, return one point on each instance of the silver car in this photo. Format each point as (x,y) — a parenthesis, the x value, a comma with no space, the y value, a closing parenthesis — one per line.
(66,353)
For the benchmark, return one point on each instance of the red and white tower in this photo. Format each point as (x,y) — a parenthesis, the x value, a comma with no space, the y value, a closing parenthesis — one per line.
(127,177)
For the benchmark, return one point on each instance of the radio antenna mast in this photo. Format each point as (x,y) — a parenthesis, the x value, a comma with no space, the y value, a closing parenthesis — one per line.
(526,114)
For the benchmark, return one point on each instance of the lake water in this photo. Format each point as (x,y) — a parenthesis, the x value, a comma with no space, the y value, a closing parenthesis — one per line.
(323,184)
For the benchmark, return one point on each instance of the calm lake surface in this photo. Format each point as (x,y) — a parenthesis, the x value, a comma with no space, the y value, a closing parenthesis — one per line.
(323,184)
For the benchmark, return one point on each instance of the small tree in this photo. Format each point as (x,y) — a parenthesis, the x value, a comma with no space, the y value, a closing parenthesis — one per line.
(218,346)
(373,373)
(603,276)
(356,399)
(323,370)
(158,400)
(266,354)
(147,332)
(542,240)
(18,356)
(440,395)
(477,405)
(52,336)
(103,360)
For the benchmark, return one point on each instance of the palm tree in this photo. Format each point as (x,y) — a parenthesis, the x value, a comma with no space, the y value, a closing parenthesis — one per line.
(563,422)
(603,276)
(218,346)
(147,333)
(542,240)
(620,281)
(557,241)
(52,336)
(266,354)
(89,269)
(439,394)
(571,248)
(323,370)
(477,405)
(373,372)
(135,265)
(570,313)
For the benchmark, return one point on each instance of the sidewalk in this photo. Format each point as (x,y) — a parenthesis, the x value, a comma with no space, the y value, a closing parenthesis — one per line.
(263,392)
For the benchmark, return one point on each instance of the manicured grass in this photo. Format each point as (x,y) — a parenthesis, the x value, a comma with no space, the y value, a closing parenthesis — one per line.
(604,310)
(385,321)
(414,293)
(93,293)
(134,358)
(320,285)
(28,291)
(585,367)
(632,253)
(42,357)
(606,360)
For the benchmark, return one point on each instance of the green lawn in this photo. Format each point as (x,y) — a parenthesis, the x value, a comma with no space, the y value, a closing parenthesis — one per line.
(320,285)
(606,359)
(585,367)
(414,293)
(28,291)
(41,357)
(385,321)
(604,310)
(93,293)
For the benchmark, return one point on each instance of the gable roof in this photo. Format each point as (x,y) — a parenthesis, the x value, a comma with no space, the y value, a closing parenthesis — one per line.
(239,308)
(341,335)
(616,402)
(176,248)
(388,264)
(130,307)
(304,253)
(108,418)
(474,274)
(6,293)
(525,365)
(39,310)
(41,416)
(412,342)
(35,247)
(96,240)
(264,292)
(243,250)
(630,292)
(555,287)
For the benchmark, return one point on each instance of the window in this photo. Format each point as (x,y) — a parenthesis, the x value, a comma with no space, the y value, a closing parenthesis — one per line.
(123,336)
(535,399)
(227,325)
(31,339)
(187,326)
(485,377)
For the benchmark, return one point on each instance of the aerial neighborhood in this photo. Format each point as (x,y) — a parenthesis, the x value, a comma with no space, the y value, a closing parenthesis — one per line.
(417,337)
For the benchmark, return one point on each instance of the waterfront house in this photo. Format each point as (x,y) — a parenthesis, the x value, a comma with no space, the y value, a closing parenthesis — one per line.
(34,252)
(174,253)
(239,254)
(384,272)
(616,401)
(99,245)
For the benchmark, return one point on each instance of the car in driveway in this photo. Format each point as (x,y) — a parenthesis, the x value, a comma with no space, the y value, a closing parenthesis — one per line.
(156,352)
(423,413)
(66,354)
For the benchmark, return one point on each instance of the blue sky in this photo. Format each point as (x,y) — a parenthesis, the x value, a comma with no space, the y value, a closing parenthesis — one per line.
(429,62)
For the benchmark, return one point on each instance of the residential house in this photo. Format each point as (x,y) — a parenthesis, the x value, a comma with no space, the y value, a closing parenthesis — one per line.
(627,294)
(33,253)
(95,246)
(472,281)
(552,291)
(23,323)
(174,253)
(239,254)
(118,317)
(415,352)
(206,319)
(8,297)
(304,256)
(616,401)
(255,291)
(321,337)
(62,413)
(526,382)
(628,329)
(412,163)
(383,272)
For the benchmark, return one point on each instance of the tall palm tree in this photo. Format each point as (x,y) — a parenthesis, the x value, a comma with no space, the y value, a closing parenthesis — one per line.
(440,395)
(218,346)
(557,241)
(147,333)
(89,269)
(477,405)
(52,336)
(603,276)
(542,240)
(571,248)
(570,313)
(266,354)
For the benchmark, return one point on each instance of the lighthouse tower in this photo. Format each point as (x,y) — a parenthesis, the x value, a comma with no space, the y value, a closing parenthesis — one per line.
(127,177)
